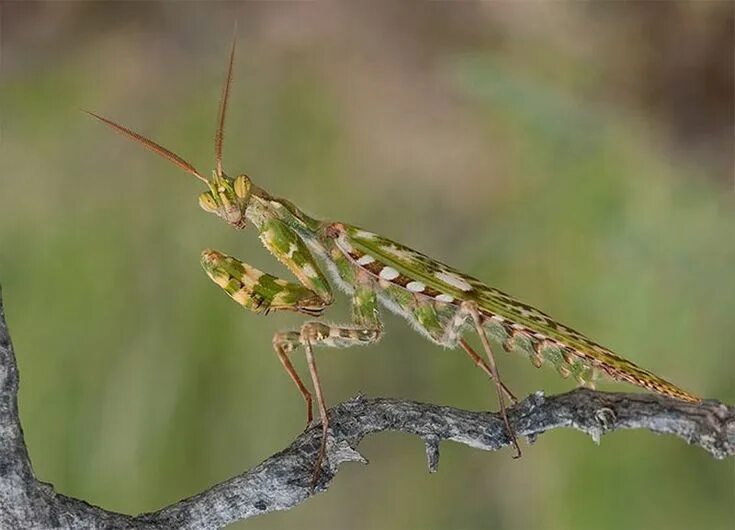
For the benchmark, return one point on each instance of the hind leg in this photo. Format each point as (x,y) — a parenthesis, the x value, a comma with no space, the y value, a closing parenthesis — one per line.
(471,309)
(482,365)
(445,325)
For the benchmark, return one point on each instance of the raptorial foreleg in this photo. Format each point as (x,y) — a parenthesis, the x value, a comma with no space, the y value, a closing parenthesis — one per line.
(259,291)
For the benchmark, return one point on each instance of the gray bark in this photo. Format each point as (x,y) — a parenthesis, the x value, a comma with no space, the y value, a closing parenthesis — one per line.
(284,480)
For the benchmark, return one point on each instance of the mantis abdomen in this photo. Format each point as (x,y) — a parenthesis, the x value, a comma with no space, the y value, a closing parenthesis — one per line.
(430,294)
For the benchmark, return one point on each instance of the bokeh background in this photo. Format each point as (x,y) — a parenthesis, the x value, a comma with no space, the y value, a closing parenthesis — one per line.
(579,156)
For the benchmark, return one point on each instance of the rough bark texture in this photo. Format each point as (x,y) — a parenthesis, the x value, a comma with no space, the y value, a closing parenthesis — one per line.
(284,480)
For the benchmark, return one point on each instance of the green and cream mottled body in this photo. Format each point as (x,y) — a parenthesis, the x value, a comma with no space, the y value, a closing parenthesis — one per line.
(430,294)
(440,302)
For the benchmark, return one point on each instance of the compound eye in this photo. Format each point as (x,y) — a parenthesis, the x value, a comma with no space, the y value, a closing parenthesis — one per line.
(207,202)
(242,187)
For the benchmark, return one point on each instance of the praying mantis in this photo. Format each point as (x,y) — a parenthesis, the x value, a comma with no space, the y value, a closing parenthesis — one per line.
(440,302)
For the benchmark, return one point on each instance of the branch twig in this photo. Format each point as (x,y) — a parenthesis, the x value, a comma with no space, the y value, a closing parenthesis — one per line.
(284,480)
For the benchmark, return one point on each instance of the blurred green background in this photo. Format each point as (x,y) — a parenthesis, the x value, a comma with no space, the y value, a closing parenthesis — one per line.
(578,156)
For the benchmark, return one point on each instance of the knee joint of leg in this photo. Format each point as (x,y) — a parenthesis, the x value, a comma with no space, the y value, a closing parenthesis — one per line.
(370,334)
(314,332)
(285,341)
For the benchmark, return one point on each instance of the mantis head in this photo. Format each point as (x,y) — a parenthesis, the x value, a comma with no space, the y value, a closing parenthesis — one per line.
(227,198)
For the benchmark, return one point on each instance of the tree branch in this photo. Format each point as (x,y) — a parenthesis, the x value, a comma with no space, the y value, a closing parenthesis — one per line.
(284,480)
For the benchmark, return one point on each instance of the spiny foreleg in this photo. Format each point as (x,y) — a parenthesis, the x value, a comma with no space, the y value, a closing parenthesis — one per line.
(259,291)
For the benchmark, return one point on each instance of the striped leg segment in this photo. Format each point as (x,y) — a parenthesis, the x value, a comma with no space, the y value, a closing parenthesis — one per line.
(365,330)
(318,334)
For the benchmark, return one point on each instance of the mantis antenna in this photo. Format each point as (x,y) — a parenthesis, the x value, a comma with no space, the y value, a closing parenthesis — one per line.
(150,144)
(219,135)
(171,156)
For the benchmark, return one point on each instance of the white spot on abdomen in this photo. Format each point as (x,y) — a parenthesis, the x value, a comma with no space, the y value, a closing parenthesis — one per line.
(365,259)
(389,273)
(415,287)
(445,298)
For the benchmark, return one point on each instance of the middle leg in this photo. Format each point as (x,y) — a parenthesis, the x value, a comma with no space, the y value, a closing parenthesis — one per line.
(365,329)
